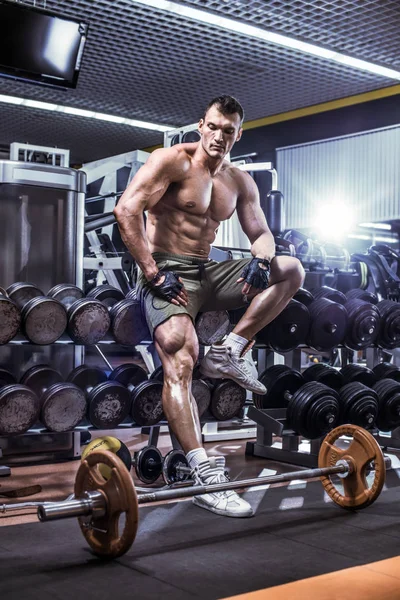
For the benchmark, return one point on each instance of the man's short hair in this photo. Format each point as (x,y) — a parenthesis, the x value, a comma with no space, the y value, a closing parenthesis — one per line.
(227,105)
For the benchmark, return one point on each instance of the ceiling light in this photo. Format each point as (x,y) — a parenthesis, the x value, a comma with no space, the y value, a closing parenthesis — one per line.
(268,36)
(80,112)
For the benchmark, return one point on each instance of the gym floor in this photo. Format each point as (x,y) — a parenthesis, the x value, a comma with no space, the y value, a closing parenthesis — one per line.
(298,544)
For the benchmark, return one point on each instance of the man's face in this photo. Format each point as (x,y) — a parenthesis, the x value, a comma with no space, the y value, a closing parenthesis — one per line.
(219,132)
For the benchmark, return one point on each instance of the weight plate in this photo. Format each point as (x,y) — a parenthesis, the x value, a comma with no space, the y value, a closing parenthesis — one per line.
(313,410)
(109,405)
(358,405)
(172,460)
(328,324)
(388,392)
(389,336)
(288,330)
(3,292)
(362,295)
(147,406)
(40,377)
(6,378)
(66,293)
(304,296)
(107,294)
(324,374)
(10,320)
(201,392)
(362,450)
(386,370)
(21,293)
(278,380)
(356,372)
(87,378)
(148,464)
(63,407)
(129,374)
(19,409)
(363,324)
(128,324)
(110,535)
(212,326)
(88,321)
(227,400)
(157,374)
(330,294)
(44,320)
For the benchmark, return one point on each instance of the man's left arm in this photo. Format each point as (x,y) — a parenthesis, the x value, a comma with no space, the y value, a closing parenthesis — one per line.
(253,221)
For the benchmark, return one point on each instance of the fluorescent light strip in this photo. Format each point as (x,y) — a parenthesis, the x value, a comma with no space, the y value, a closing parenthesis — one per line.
(79,112)
(377,226)
(268,36)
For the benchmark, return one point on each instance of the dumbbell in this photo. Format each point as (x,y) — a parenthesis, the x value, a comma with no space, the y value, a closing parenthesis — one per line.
(359,403)
(212,326)
(19,406)
(146,395)
(389,313)
(128,325)
(364,320)
(386,370)
(10,318)
(328,321)
(88,318)
(108,402)
(288,330)
(63,404)
(149,464)
(389,336)
(201,388)
(312,408)
(44,320)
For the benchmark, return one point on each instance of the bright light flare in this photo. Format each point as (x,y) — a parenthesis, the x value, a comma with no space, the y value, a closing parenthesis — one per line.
(333,220)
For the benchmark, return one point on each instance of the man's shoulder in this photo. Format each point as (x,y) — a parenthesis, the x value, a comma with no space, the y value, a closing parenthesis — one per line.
(175,156)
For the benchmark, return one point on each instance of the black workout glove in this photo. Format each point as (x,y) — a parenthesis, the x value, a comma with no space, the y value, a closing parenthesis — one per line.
(169,289)
(257,273)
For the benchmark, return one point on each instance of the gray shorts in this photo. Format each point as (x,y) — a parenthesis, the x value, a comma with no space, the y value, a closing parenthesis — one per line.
(210,285)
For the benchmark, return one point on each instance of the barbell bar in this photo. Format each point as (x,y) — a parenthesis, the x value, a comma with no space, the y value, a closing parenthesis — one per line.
(99,503)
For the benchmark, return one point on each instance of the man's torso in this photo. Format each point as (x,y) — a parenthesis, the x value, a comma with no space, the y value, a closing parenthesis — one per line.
(186,219)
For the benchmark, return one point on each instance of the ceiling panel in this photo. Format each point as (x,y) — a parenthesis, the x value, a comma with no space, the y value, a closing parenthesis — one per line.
(147,64)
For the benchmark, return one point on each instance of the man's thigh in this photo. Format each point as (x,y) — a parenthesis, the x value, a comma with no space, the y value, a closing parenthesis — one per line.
(225,292)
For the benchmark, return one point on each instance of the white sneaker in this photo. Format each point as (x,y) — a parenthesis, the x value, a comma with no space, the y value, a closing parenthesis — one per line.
(220,363)
(227,503)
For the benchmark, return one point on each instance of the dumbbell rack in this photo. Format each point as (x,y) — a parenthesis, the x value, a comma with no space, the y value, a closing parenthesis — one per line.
(271,422)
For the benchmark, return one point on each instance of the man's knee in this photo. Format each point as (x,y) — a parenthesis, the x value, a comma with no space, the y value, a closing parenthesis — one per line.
(294,273)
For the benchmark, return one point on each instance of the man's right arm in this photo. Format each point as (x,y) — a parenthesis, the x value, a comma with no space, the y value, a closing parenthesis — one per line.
(148,186)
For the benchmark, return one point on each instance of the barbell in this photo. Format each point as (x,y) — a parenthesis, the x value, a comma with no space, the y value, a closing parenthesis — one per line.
(98,503)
